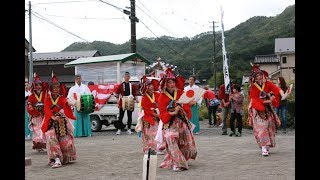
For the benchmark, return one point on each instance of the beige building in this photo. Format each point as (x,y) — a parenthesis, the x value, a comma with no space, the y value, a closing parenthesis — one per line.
(282,63)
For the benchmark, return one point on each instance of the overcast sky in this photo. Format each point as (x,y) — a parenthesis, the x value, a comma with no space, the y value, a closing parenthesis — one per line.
(93,20)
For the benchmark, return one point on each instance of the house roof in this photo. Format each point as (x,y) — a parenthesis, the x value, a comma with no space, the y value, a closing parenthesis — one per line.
(110,58)
(284,45)
(61,78)
(49,56)
(266,59)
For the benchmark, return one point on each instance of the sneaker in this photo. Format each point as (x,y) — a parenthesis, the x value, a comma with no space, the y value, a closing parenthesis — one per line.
(197,133)
(284,131)
(221,125)
(238,134)
(177,169)
(210,126)
(264,151)
(129,131)
(224,133)
(118,132)
(231,134)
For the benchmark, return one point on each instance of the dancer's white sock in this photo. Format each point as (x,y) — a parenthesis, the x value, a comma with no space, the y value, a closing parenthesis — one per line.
(57,160)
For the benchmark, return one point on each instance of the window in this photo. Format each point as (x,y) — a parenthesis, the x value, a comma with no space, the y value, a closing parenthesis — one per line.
(284,60)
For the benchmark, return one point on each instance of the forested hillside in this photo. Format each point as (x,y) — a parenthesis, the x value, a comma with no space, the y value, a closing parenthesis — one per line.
(256,36)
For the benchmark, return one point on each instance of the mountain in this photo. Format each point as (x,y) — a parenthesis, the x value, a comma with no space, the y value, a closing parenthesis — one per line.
(256,36)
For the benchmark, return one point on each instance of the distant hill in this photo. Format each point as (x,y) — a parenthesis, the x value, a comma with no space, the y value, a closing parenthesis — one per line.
(256,36)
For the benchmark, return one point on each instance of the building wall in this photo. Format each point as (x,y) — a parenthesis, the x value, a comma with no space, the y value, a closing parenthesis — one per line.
(270,68)
(287,69)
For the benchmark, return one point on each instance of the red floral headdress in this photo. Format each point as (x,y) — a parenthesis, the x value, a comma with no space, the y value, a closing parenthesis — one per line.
(145,82)
(170,75)
(255,71)
(37,80)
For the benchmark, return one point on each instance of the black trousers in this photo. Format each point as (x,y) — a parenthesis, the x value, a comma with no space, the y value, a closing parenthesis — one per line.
(212,111)
(129,115)
(237,116)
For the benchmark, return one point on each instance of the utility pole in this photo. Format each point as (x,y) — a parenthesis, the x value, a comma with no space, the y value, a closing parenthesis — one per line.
(133,20)
(30,47)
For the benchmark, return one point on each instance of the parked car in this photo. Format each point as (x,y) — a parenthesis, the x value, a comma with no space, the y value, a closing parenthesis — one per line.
(109,114)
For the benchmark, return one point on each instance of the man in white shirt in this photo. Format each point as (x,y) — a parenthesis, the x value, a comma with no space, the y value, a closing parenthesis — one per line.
(194,107)
(82,125)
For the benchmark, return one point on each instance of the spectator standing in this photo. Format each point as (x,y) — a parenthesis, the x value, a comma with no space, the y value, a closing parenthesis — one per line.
(226,107)
(209,98)
(236,99)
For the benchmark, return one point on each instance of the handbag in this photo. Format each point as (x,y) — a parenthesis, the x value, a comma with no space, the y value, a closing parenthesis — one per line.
(214,102)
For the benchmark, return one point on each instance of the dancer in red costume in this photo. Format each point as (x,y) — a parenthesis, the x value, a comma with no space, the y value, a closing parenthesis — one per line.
(149,104)
(35,104)
(261,115)
(57,127)
(178,136)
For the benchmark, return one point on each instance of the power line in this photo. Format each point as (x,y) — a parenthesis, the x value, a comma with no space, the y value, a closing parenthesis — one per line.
(121,9)
(144,7)
(162,40)
(59,2)
(155,21)
(47,20)
(81,18)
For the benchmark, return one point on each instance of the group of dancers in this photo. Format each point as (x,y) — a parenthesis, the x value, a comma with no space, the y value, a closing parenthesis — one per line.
(159,102)
(52,116)
(51,121)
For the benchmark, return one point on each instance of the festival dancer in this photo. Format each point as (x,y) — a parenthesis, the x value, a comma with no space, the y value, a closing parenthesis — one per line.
(27,93)
(261,115)
(194,107)
(150,120)
(178,136)
(35,105)
(58,128)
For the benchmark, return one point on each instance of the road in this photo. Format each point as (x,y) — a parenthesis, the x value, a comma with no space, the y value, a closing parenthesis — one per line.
(106,156)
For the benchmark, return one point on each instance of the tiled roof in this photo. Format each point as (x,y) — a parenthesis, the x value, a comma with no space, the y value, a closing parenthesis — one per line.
(68,55)
(266,59)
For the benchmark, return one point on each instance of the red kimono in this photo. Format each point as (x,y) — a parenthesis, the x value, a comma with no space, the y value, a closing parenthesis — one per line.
(257,103)
(61,103)
(262,117)
(33,99)
(164,101)
(178,137)
(146,105)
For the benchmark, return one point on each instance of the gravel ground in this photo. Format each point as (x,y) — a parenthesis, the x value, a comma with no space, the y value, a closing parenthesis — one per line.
(106,156)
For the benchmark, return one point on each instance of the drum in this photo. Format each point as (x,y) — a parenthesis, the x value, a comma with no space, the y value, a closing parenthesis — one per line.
(128,103)
(87,104)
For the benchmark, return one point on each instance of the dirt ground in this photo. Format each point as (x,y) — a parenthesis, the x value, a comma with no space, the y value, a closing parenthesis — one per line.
(106,156)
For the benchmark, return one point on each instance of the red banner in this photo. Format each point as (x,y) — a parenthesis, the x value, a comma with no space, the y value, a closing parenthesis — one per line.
(102,93)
